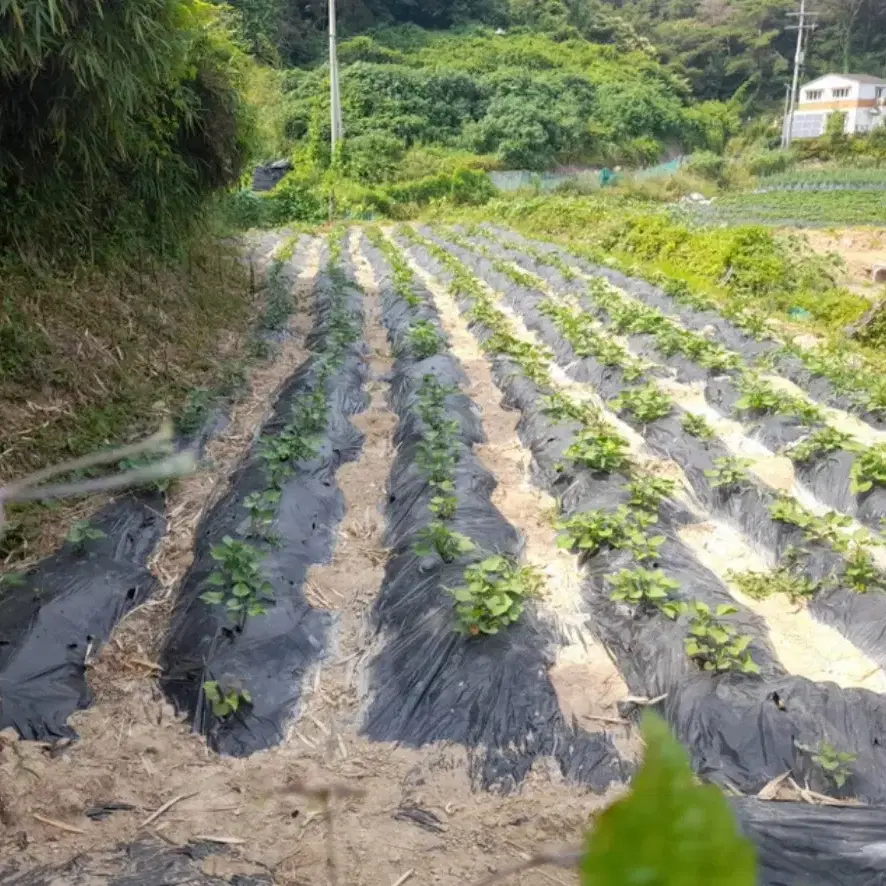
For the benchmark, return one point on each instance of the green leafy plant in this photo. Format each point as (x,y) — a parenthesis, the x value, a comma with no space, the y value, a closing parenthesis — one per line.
(729,472)
(646,403)
(861,572)
(435,456)
(588,339)
(869,468)
(670,830)
(225,700)
(634,318)
(835,765)
(237,582)
(438,538)
(672,339)
(262,507)
(643,587)
(599,449)
(648,491)
(299,439)
(81,533)
(282,452)
(820,443)
(593,531)
(697,426)
(493,595)
(403,276)
(783,580)
(824,529)
(425,339)
(760,397)
(561,408)
(443,505)
(716,645)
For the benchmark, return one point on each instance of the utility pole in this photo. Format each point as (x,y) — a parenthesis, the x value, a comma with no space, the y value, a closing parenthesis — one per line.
(334,95)
(805,23)
(785,140)
(336,130)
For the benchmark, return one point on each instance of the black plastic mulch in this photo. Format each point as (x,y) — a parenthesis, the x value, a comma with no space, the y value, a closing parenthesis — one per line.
(429,683)
(270,655)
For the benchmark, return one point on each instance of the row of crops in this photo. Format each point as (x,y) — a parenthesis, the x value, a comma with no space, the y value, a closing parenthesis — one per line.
(825,180)
(726,485)
(673,627)
(646,420)
(796,207)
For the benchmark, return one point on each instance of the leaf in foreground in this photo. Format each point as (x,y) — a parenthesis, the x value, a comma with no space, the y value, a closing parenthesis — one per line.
(669,831)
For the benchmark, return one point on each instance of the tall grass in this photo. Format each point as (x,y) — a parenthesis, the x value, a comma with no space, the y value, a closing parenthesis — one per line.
(117,120)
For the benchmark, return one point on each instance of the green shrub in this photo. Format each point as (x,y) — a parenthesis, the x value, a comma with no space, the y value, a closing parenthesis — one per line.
(707,165)
(373,157)
(470,187)
(117,122)
(769,162)
(295,199)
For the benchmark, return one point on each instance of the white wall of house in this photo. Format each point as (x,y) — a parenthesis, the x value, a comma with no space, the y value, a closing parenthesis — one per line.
(835,92)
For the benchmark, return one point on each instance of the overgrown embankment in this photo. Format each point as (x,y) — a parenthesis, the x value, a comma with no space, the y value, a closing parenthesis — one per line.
(119,125)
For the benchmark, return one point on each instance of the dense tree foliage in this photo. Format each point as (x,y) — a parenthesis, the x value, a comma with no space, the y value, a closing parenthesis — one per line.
(723,47)
(729,46)
(527,99)
(117,119)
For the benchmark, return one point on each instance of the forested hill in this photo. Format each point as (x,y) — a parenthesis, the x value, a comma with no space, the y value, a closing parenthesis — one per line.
(723,47)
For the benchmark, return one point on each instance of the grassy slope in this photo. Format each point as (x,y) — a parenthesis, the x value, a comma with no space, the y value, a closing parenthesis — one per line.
(100,357)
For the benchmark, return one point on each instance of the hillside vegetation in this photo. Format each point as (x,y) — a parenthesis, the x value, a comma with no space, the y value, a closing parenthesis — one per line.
(120,124)
(125,127)
(425,109)
(723,47)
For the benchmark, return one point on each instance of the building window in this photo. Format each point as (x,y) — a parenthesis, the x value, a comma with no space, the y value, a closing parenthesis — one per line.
(813,95)
(843,92)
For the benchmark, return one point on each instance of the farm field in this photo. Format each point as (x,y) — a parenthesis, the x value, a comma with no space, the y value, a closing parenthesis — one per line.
(488,504)
(800,206)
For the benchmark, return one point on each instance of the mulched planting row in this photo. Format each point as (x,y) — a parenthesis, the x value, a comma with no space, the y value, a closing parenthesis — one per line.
(261,550)
(57,616)
(746,505)
(836,380)
(742,730)
(827,473)
(429,682)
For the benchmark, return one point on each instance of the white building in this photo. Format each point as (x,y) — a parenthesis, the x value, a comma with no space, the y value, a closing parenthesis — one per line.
(860,97)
